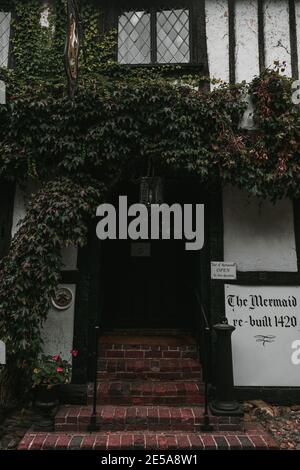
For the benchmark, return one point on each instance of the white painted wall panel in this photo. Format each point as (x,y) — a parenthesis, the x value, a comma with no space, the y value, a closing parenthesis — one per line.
(277,33)
(22,197)
(297,7)
(258,236)
(58,330)
(217,38)
(246,30)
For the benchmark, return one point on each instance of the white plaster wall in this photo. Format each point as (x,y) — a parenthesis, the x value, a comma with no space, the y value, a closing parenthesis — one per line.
(277,33)
(246,30)
(297,6)
(22,197)
(277,37)
(217,38)
(258,236)
(58,330)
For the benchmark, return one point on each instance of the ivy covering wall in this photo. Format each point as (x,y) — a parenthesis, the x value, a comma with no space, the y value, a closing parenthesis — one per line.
(120,120)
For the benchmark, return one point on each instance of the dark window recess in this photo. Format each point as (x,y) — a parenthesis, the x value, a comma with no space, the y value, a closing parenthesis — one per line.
(154,36)
(6,212)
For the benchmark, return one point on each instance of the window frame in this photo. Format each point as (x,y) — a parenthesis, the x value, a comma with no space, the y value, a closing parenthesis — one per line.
(197,28)
(7,7)
(7,11)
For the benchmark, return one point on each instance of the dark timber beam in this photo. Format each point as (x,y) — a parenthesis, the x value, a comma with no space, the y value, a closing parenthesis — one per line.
(232,39)
(261,35)
(293,39)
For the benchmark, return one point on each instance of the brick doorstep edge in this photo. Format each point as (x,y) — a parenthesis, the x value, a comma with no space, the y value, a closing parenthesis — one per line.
(254,439)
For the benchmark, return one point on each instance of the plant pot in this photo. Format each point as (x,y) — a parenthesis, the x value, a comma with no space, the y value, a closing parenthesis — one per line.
(46,400)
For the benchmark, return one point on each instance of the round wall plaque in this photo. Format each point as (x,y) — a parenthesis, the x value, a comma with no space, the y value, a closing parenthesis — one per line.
(62,299)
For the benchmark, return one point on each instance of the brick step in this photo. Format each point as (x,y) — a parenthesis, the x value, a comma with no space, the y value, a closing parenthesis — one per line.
(148,393)
(142,351)
(254,438)
(167,369)
(137,418)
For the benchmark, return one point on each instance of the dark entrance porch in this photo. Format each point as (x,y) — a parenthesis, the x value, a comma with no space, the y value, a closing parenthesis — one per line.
(147,291)
(149,283)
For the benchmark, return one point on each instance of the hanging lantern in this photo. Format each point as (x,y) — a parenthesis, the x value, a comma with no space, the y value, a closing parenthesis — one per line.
(72,48)
(151,190)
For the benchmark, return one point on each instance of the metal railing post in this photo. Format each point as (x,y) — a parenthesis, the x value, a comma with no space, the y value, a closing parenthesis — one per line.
(206,426)
(205,332)
(225,402)
(93,426)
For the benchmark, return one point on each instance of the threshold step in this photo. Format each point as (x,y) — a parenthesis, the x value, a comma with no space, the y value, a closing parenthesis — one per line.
(148,392)
(254,438)
(138,418)
(167,369)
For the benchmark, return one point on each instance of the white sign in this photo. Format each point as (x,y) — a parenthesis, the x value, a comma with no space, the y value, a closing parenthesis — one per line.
(222,270)
(266,342)
(2,92)
(2,353)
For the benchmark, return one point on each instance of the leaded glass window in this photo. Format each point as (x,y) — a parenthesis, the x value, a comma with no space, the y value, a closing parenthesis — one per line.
(4,37)
(134,38)
(173,36)
(154,36)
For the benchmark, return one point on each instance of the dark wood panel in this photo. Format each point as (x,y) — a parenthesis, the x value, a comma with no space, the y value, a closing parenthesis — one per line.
(7,191)
(261,35)
(267,278)
(232,40)
(293,39)
(70,277)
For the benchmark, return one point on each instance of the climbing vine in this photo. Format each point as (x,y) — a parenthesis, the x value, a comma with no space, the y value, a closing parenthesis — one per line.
(119,120)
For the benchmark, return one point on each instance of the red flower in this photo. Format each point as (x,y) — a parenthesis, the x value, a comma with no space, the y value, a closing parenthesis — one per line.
(74,352)
(56,358)
(59,370)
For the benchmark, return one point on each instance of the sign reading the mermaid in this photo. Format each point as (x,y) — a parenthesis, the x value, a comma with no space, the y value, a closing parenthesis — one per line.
(266,342)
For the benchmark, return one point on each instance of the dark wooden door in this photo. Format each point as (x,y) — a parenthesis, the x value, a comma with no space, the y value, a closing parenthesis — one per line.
(154,290)
(6,212)
(150,291)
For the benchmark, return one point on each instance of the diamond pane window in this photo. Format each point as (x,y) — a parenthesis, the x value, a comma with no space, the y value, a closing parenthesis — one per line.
(173,38)
(4,37)
(134,41)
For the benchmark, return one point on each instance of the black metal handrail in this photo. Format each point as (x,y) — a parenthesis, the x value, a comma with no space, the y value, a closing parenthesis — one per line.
(93,426)
(206,362)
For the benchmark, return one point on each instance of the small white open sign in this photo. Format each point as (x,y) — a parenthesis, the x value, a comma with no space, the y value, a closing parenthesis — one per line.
(2,353)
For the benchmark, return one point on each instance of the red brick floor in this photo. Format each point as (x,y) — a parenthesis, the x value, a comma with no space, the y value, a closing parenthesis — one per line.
(154,418)
(150,396)
(254,437)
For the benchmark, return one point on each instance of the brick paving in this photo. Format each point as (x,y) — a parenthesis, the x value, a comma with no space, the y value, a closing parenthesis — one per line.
(254,437)
(150,397)
(155,418)
(147,392)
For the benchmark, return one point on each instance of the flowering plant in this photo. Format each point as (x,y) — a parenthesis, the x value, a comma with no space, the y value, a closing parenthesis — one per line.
(52,370)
